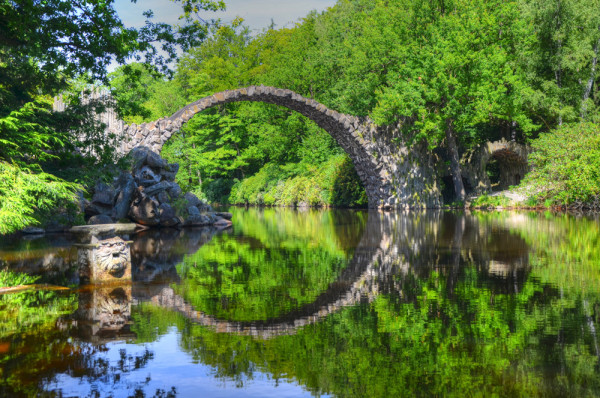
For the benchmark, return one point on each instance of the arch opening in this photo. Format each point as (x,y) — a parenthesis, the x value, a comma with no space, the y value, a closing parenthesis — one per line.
(505,168)
(346,130)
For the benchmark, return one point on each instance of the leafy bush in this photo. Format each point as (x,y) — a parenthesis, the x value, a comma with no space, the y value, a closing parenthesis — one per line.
(25,196)
(485,201)
(9,278)
(331,183)
(566,166)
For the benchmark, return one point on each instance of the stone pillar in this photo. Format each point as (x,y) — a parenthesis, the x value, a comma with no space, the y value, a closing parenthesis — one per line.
(107,260)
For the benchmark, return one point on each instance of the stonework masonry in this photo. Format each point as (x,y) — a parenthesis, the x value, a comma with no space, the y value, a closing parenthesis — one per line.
(393,176)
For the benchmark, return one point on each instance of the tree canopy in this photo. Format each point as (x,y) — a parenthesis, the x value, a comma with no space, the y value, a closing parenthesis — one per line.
(51,46)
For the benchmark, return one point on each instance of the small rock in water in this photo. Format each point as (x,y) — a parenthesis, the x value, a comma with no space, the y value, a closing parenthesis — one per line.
(224,214)
(33,231)
(222,223)
(198,220)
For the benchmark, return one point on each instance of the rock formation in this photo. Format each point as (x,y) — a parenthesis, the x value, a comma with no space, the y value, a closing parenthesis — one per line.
(148,195)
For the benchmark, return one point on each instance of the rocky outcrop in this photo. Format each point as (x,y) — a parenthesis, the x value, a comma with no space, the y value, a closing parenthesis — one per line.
(148,195)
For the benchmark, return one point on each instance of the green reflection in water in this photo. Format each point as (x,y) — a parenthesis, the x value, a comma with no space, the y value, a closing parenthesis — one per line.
(478,304)
(517,317)
(276,261)
(31,346)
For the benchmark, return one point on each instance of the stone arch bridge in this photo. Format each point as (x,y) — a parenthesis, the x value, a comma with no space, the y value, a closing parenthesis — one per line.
(393,176)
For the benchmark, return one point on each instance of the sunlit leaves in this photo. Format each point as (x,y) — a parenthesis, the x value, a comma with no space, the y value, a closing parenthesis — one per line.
(23,194)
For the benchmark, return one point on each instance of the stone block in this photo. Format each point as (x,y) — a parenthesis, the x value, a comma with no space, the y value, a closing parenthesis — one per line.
(174,190)
(107,260)
(193,211)
(155,189)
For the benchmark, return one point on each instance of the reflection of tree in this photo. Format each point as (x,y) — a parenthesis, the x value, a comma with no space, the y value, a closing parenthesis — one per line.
(460,310)
(282,262)
(444,304)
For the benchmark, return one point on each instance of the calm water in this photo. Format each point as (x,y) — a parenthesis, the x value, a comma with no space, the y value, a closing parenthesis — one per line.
(312,303)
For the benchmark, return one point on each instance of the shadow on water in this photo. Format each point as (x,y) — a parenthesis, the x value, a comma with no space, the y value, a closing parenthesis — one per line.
(436,302)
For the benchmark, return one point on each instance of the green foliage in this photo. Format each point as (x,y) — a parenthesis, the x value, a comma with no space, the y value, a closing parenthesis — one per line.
(558,60)
(566,166)
(25,134)
(141,93)
(278,266)
(29,334)
(47,48)
(9,278)
(486,201)
(455,71)
(27,312)
(24,195)
(332,183)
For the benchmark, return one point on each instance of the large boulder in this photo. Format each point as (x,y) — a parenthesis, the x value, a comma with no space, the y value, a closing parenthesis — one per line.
(170,171)
(138,156)
(146,177)
(155,161)
(124,187)
(193,211)
(167,215)
(174,190)
(103,195)
(192,199)
(144,209)
(157,188)
(102,200)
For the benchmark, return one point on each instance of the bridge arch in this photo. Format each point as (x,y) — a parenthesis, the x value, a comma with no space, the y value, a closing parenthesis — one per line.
(393,175)
(352,134)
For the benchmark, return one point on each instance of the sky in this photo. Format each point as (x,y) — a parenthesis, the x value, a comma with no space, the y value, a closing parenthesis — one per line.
(257,14)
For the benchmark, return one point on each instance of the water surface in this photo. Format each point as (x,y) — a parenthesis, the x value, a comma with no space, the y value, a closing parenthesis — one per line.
(311,303)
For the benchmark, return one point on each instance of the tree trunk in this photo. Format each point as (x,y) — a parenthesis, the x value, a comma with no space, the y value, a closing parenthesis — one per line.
(558,71)
(459,188)
(590,83)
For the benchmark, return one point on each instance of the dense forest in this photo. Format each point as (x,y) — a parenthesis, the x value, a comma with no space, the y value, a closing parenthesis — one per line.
(449,73)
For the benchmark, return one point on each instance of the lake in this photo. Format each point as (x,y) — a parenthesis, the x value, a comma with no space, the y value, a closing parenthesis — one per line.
(291,303)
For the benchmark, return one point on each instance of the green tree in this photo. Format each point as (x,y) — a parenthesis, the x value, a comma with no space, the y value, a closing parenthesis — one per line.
(458,73)
(561,61)
(44,46)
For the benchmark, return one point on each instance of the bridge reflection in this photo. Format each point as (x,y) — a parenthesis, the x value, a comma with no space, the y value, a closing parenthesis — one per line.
(394,247)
